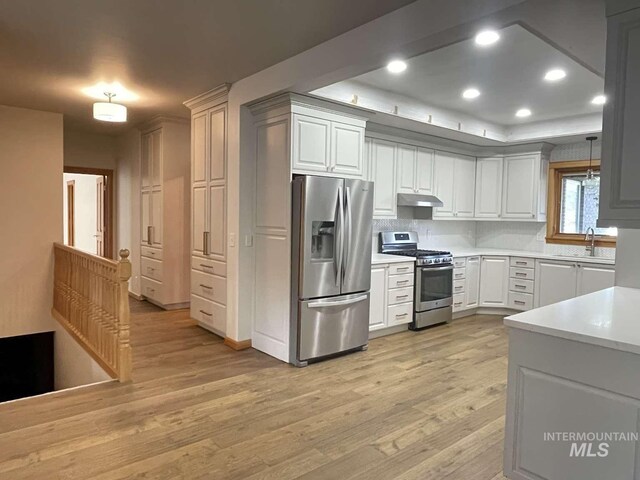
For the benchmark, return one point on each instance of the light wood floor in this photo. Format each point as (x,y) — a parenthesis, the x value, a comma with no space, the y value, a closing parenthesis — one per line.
(426,405)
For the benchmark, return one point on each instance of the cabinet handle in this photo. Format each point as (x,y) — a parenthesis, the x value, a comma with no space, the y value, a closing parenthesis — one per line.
(149,242)
(206,313)
(204,265)
(398,315)
(206,286)
(520,286)
(401,296)
(457,304)
(520,263)
(205,243)
(518,302)
(459,287)
(402,268)
(520,274)
(402,281)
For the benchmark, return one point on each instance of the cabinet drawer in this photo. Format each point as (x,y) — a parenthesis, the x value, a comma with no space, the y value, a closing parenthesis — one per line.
(522,262)
(399,281)
(458,302)
(208,286)
(520,301)
(401,268)
(521,273)
(399,314)
(458,286)
(521,286)
(151,268)
(460,262)
(209,266)
(211,314)
(459,273)
(151,289)
(151,252)
(400,295)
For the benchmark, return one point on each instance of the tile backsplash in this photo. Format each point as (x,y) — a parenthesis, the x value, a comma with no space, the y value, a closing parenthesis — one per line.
(444,234)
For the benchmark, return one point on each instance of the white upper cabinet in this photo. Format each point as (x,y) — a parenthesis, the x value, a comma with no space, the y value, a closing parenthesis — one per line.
(415,169)
(620,168)
(454,185)
(494,284)
(489,187)
(311,143)
(524,187)
(383,174)
(322,144)
(347,149)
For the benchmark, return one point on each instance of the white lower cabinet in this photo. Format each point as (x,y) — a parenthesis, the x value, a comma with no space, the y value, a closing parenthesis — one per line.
(472,283)
(391,295)
(494,281)
(592,278)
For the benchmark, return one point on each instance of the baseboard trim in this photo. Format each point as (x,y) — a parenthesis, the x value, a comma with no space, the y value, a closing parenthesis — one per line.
(388,331)
(135,295)
(485,311)
(237,345)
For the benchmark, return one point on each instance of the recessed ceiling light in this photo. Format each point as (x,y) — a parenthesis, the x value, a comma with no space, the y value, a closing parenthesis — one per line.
(397,66)
(555,75)
(523,112)
(599,100)
(471,93)
(487,37)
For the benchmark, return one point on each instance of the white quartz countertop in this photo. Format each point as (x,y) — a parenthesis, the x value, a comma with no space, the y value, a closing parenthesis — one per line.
(380,258)
(608,318)
(472,252)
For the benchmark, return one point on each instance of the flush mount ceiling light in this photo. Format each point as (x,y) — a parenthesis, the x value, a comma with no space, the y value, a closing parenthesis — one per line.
(523,112)
(397,66)
(471,93)
(109,112)
(487,37)
(555,75)
(599,100)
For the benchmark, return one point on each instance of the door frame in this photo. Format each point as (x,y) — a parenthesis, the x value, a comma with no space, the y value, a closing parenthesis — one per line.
(71,213)
(108,203)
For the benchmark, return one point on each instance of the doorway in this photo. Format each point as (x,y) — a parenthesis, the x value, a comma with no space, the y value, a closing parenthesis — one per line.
(87,203)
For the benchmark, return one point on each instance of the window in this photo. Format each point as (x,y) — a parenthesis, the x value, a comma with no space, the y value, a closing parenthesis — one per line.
(573,204)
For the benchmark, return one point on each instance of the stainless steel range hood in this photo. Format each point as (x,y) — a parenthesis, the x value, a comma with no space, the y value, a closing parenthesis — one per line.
(417,200)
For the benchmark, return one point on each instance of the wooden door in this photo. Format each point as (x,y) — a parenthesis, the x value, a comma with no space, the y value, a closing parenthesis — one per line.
(217,221)
(554,282)
(156,159)
(347,149)
(488,187)
(424,171)
(145,161)
(520,186)
(100,225)
(464,178)
(311,144)
(378,308)
(494,281)
(407,169)
(156,218)
(472,283)
(217,144)
(145,234)
(592,278)
(444,183)
(384,178)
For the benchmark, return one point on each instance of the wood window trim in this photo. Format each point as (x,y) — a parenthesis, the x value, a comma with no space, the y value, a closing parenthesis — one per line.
(109,203)
(556,170)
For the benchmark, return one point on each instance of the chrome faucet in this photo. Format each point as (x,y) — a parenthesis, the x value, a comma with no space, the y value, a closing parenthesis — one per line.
(591,249)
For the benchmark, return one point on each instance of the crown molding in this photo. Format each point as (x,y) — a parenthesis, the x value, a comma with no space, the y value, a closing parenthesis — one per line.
(158,120)
(290,99)
(209,99)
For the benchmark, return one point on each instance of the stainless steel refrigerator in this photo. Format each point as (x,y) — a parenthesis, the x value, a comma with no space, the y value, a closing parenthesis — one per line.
(331,262)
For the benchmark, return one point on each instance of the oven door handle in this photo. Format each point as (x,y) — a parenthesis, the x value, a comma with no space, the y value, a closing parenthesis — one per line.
(437,269)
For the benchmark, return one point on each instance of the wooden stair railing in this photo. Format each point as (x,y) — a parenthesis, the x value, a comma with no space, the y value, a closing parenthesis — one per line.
(91,301)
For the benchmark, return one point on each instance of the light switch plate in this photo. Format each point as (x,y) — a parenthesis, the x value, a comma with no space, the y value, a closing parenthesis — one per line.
(232,239)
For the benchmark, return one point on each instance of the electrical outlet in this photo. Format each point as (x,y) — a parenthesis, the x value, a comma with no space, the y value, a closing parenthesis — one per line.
(232,239)
(248,240)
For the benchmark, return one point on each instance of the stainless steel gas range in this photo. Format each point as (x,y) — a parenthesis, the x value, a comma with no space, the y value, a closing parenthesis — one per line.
(433,294)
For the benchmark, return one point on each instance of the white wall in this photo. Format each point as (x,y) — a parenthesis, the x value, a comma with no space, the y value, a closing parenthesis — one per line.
(88,149)
(31,158)
(128,201)
(85,214)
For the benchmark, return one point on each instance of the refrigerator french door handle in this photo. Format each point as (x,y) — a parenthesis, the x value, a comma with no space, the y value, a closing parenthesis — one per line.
(349,223)
(339,236)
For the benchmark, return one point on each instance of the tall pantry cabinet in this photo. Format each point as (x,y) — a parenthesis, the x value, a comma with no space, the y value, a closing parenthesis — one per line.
(164,235)
(208,209)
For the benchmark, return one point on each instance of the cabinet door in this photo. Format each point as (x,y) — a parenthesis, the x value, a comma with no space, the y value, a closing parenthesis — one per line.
(424,171)
(407,169)
(347,149)
(378,307)
(199,222)
(384,177)
(145,161)
(464,178)
(488,187)
(620,196)
(472,283)
(519,197)
(217,144)
(156,218)
(311,139)
(199,148)
(156,159)
(145,213)
(217,221)
(592,278)
(367,171)
(555,282)
(443,183)
(494,281)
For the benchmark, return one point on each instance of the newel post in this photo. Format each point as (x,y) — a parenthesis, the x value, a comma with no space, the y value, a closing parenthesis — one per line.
(124,346)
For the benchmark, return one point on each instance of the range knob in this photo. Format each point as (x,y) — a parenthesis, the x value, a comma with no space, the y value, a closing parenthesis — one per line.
(438,260)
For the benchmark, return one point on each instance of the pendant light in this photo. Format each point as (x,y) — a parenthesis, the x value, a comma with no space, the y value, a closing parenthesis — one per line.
(592,179)
(109,112)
